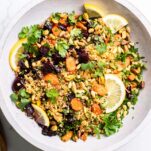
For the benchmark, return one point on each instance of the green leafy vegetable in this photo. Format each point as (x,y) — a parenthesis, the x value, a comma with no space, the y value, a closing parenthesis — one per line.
(122,57)
(62,48)
(101,48)
(56,16)
(98,73)
(21,99)
(71,18)
(133,49)
(87,66)
(14,97)
(80,18)
(22,93)
(52,94)
(112,124)
(75,32)
(96,130)
(30,32)
(101,64)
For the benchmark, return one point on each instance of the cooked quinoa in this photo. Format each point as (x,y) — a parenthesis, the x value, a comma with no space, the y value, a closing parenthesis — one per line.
(62,70)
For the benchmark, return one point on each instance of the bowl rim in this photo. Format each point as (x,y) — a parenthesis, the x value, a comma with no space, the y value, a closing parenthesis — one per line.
(7,114)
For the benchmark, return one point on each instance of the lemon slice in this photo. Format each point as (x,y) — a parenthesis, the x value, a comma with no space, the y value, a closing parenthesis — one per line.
(41,116)
(115,22)
(92,10)
(15,52)
(116,93)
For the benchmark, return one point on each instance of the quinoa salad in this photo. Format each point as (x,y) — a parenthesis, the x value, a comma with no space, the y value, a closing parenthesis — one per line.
(76,77)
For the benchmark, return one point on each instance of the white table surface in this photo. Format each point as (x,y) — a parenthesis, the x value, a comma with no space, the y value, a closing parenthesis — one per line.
(8,8)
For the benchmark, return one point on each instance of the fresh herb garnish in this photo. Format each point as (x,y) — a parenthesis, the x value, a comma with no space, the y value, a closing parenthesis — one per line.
(71,18)
(75,32)
(62,48)
(112,124)
(32,32)
(80,18)
(14,97)
(56,16)
(87,66)
(21,99)
(101,48)
(52,94)
(96,130)
(98,73)
(23,94)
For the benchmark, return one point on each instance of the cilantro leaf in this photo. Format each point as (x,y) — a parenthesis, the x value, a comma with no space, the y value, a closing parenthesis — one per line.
(21,99)
(62,48)
(31,31)
(96,130)
(112,124)
(24,33)
(133,49)
(14,97)
(122,57)
(22,93)
(23,103)
(101,48)
(87,66)
(52,94)
(98,73)
(75,32)
(71,18)
(56,16)
(101,64)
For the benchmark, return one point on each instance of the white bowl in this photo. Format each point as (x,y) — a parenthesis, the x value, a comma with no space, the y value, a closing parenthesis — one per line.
(36,12)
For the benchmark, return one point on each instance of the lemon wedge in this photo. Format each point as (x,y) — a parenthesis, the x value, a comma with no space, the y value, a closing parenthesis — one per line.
(116,93)
(41,116)
(92,10)
(115,22)
(15,52)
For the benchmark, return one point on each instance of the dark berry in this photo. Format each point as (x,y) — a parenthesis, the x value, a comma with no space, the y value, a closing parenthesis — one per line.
(18,84)
(83,56)
(56,57)
(29,110)
(43,50)
(47,25)
(62,27)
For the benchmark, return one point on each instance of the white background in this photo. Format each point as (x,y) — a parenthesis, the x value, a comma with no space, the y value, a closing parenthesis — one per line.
(8,8)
